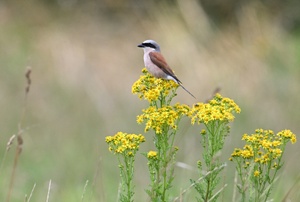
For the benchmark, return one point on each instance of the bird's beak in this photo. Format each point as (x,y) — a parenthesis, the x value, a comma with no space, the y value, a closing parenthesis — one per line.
(141,45)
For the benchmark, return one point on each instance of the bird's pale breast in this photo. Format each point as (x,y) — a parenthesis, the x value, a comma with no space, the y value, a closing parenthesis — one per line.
(153,69)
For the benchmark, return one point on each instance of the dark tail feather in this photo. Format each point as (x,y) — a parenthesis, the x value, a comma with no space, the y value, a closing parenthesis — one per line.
(186,90)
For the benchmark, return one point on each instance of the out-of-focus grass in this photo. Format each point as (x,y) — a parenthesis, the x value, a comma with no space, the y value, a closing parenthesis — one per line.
(84,61)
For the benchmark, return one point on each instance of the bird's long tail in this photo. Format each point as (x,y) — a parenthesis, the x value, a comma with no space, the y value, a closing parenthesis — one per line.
(186,90)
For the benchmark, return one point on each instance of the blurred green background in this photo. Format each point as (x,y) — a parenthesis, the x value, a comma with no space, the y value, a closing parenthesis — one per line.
(84,61)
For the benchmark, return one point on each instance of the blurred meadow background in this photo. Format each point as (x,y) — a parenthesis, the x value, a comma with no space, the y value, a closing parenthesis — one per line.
(84,60)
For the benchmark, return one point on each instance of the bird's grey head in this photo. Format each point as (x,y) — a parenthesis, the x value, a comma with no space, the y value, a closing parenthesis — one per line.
(150,44)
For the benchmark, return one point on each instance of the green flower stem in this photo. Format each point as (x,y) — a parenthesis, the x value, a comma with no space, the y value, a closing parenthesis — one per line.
(125,146)
(164,119)
(164,146)
(275,172)
(129,176)
(126,172)
(215,115)
(213,142)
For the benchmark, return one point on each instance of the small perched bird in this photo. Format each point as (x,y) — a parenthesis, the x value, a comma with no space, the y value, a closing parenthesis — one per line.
(156,63)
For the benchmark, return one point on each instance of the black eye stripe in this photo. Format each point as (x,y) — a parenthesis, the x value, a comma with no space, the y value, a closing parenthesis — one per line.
(149,45)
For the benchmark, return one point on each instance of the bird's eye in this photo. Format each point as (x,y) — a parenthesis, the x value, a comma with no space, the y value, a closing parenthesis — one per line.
(149,45)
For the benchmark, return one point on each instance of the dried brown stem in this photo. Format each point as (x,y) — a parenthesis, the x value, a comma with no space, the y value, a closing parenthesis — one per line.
(20,140)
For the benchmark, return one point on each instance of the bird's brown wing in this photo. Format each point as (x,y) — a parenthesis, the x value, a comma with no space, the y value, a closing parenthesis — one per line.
(160,61)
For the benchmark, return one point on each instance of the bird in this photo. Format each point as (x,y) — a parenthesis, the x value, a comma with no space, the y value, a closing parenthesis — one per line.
(156,63)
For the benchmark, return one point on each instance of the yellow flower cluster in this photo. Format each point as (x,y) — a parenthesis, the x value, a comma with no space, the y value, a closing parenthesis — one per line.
(218,108)
(152,155)
(264,146)
(158,118)
(123,143)
(151,88)
(287,135)
(246,152)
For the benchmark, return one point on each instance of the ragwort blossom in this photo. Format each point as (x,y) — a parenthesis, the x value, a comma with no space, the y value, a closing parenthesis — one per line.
(218,108)
(151,88)
(152,155)
(162,118)
(123,143)
(260,160)
(265,146)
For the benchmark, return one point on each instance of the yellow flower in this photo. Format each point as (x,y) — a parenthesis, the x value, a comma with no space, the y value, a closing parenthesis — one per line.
(276,143)
(293,139)
(124,143)
(152,155)
(256,173)
(276,153)
(108,139)
(151,88)
(266,144)
(246,165)
(218,108)
(265,159)
(247,152)
(275,165)
(158,118)
(288,135)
